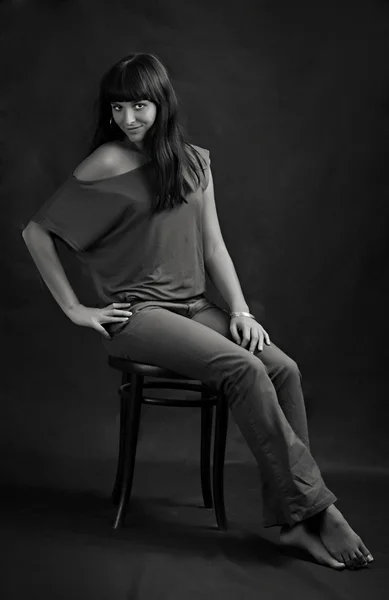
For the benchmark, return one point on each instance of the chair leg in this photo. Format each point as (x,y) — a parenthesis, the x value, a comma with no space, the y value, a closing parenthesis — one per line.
(205,461)
(218,461)
(131,425)
(122,435)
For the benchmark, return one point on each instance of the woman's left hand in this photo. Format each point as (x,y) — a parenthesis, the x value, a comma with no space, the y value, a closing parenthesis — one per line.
(252,332)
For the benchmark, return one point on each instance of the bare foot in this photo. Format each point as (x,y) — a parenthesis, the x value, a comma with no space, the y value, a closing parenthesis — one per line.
(300,536)
(339,539)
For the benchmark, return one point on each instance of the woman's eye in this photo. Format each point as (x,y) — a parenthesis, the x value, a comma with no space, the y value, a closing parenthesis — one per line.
(117,107)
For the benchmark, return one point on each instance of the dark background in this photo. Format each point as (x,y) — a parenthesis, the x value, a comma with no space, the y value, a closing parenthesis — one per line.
(291,99)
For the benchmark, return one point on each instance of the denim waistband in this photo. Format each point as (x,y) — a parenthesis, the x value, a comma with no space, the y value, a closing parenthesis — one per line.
(188,308)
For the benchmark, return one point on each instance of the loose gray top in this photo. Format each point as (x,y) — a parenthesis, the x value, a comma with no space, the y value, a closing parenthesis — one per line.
(131,253)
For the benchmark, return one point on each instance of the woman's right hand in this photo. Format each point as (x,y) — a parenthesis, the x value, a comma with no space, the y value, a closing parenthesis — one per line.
(87,316)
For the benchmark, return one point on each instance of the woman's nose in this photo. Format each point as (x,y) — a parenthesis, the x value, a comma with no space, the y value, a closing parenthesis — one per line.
(129,117)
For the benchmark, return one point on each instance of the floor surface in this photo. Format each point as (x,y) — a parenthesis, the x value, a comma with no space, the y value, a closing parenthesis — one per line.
(59,544)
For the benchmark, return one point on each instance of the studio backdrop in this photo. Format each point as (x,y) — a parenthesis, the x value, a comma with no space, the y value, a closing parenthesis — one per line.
(291,99)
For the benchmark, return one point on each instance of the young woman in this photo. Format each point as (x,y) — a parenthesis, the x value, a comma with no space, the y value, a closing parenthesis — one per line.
(140,212)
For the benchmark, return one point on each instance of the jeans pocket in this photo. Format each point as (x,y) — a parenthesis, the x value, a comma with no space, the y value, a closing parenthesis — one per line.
(114,328)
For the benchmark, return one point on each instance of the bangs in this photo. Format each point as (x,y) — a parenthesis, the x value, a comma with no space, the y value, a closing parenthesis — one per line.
(129,84)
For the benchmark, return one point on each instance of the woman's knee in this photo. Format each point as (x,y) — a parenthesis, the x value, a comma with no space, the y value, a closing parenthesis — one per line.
(290,367)
(284,366)
(238,365)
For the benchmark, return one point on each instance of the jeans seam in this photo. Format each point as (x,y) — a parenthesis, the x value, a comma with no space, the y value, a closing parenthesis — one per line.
(273,467)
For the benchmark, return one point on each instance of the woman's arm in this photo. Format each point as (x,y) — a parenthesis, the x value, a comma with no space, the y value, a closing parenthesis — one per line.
(42,249)
(217,260)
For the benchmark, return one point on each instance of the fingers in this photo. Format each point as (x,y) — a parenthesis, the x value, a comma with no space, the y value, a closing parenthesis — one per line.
(245,340)
(234,333)
(256,341)
(118,304)
(115,315)
(263,337)
(109,319)
(117,311)
(252,337)
(103,332)
(248,337)
(259,340)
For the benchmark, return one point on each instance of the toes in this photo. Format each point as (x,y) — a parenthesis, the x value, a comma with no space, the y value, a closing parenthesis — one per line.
(347,561)
(357,561)
(336,564)
(365,552)
(353,561)
(361,559)
(338,557)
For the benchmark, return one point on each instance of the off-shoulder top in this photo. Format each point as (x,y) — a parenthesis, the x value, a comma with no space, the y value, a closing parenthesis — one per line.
(131,253)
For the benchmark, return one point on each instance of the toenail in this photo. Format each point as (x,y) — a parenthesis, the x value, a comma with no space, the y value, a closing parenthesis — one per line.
(369,557)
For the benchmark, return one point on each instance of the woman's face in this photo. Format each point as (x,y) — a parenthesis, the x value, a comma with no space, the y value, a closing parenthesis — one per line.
(134,118)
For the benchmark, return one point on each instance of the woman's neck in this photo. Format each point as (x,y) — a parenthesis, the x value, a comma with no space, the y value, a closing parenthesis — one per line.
(138,148)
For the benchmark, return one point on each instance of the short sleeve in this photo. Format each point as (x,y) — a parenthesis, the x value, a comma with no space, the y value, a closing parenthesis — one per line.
(77,213)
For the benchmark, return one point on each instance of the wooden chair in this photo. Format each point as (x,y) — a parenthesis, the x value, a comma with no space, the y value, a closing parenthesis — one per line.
(131,398)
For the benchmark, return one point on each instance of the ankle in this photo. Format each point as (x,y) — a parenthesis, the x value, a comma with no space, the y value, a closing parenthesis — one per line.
(323,514)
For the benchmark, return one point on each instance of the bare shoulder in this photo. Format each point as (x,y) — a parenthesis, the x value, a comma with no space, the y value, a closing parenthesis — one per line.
(103,162)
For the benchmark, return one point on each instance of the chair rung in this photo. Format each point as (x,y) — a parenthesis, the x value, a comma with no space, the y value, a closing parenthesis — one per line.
(178,402)
(171,385)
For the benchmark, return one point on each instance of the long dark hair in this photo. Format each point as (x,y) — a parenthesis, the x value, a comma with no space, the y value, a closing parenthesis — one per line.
(141,76)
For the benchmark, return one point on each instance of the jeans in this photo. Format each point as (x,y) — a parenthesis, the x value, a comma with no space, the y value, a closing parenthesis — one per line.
(263,391)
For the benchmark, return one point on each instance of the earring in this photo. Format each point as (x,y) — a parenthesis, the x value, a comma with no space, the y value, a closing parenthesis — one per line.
(110,122)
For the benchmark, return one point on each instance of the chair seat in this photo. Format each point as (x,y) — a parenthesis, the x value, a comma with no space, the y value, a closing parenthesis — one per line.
(138,368)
